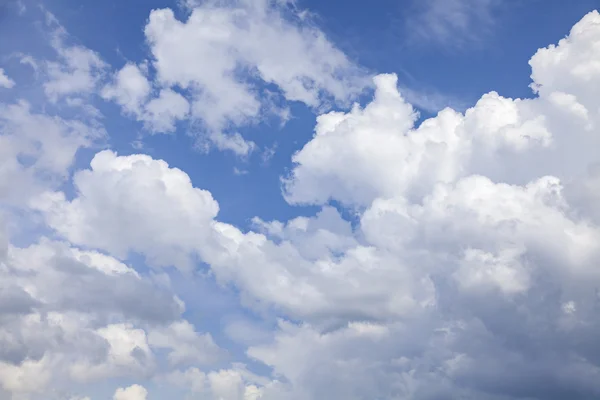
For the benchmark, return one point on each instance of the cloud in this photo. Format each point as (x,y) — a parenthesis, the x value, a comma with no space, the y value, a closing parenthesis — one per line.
(77,71)
(132,91)
(99,322)
(187,346)
(5,81)
(441,149)
(456,258)
(451,23)
(72,334)
(471,263)
(232,384)
(250,45)
(133,392)
(106,321)
(243,84)
(139,186)
(30,161)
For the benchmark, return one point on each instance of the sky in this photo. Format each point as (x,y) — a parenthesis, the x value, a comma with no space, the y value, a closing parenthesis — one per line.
(298,199)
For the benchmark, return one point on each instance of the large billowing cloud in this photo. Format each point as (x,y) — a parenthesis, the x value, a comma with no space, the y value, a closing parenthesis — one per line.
(470,268)
(136,204)
(464,277)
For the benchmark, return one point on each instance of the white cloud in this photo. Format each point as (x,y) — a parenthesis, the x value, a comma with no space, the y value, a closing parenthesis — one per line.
(163,111)
(249,44)
(230,384)
(470,261)
(118,194)
(128,354)
(30,376)
(287,278)
(570,68)
(77,71)
(132,90)
(133,392)
(5,81)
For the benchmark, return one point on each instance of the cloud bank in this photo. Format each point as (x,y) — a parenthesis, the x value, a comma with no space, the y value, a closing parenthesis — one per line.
(470,270)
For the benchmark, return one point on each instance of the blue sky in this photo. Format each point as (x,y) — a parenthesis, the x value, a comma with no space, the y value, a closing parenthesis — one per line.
(342,183)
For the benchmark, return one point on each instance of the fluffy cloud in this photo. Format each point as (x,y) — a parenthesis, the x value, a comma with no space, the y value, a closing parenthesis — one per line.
(461,275)
(118,194)
(131,90)
(512,259)
(232,384)
(5,81)
(468,269)
(249,45)
(302,268)
(133,392)
(351,156)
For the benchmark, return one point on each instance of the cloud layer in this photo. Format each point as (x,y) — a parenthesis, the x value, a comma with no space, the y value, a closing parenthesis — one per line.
(469,269)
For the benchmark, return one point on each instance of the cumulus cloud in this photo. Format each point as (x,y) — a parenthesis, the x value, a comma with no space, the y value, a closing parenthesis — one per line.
(133,392)
(463,273)
(70,315)
(231,384)
(5,81)
(468,268)
(139,187)
(223,56)
(131,89)
(438,150)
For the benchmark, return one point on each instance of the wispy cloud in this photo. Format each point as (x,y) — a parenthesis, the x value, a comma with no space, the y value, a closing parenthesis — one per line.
(452,23)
